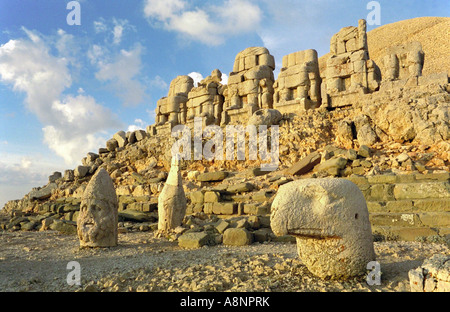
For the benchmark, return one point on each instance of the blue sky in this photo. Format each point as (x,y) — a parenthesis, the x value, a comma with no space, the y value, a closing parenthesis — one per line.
(66,89)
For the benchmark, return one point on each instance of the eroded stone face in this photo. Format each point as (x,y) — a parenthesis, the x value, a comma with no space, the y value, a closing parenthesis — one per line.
(98,217)
(330,221)
(172,200)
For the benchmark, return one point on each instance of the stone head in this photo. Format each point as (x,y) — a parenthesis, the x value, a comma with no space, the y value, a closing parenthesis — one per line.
(330,221)
(98,217)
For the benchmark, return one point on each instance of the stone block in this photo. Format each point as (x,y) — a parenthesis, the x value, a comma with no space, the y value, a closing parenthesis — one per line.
(240,188)
(395,219)
(224,208)
(214,176)
(422,190)
(382,192)
(211,197)
(262,235)
(197,197)
(305,165)
(221,226)
(382,178)
(435,219)
(399,206)
(432,204)
(194,240)
(332,166)
(237,237)
(81,171)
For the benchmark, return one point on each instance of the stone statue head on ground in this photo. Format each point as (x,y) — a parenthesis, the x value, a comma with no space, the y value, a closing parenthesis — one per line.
(98,217)
(330,221)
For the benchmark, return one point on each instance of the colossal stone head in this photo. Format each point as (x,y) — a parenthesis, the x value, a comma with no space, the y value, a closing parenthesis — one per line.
(330,221)
(98,217)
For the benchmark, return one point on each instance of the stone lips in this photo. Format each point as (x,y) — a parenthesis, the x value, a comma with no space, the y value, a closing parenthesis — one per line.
(330,221)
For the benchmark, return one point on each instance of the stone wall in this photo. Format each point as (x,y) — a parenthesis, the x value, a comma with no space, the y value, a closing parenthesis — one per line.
(409,206)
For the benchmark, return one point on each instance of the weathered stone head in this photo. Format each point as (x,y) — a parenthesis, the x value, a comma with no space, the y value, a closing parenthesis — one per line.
(330,221)
(97,221)
(172,199)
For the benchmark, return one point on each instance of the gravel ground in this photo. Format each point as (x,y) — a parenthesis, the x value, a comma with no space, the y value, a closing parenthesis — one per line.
(37,261)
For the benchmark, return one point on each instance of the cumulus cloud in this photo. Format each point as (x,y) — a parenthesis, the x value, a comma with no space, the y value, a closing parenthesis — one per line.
(197,77)
(73,125)
(122,73)
(209,24)
(159,83)
(114,28)
(139,124)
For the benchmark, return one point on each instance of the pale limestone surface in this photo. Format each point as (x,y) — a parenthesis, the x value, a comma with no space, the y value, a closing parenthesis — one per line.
(250,85)
(171,200)
(299,80)
(206,100)
(330,221)
(432,276)
(172,109)
(98,217)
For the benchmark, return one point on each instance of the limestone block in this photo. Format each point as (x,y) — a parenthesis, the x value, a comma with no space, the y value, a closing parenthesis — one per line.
(330,221)
(237,237)
(121,138)
(305,165)
(422,190)
(259,72)
(250,62)
(194,240)
(81,171)
(235,79)
(432,276)
(212,176)
(248,87)
(44,192)
(267,60)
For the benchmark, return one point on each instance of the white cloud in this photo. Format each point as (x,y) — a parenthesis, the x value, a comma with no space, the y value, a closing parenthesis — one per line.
(72,125)
(210,24)
(197,77)
(115,28)
(159,83)
(18,174)
(100,26)
(139,124)
(122,74)
(163,9)
(224,79)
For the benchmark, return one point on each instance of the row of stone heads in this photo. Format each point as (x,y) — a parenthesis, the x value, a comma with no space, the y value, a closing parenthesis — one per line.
(321,213)
(300,84)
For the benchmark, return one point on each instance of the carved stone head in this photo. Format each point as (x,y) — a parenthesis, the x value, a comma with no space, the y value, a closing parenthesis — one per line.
(98,217)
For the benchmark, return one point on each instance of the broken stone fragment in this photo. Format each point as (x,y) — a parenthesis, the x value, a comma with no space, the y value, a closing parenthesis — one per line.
(214,176)
(305,165)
